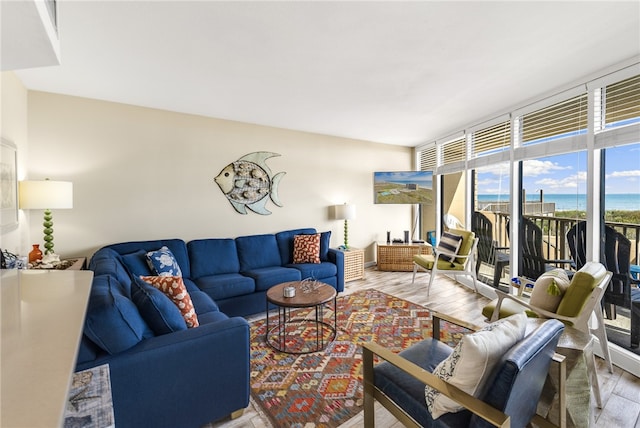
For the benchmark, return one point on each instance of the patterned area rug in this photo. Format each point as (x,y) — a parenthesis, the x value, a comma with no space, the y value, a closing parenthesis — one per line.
(324,389)
(90,404)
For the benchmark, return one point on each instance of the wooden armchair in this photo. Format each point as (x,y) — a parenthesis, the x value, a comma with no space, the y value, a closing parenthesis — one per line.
(623,289)
(463,263)
(488,250)
(509,398)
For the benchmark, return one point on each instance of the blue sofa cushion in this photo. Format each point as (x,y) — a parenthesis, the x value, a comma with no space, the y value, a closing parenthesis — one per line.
(257,251)
(113,321)
(325,239)
(213,257)
(160,313)
(285,243)
(224,286)
(163,262)
(107,262)
(201,300)
(136,263)
(177,246)
(87,351)
(266,278)
(212,317)
(315,270)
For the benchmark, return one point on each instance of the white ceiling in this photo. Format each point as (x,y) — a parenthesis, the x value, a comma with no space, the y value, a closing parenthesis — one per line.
(391,72)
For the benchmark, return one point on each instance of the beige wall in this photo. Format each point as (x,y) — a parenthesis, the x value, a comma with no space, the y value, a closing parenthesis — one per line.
(141,173)
(13,127)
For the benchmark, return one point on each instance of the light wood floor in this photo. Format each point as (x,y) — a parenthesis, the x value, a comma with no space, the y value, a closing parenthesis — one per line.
(620,390)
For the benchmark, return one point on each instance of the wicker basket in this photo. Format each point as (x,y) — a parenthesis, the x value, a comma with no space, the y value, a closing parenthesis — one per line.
(399,257)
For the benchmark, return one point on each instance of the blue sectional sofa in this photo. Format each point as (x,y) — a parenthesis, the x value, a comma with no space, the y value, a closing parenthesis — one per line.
(164,374)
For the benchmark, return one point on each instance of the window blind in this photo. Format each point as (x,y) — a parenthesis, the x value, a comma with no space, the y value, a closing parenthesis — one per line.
(622,102)
(559,120)
(491,140)
(428,159)
(454,151)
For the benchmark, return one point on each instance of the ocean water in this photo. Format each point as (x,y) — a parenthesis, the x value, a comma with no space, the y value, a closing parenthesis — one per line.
(566,202)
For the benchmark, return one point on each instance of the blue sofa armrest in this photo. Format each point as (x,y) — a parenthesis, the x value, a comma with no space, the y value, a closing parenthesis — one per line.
(337,257)
(203,372)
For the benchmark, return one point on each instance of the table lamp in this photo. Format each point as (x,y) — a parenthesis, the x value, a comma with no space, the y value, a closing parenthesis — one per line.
(345,212)
(46,195)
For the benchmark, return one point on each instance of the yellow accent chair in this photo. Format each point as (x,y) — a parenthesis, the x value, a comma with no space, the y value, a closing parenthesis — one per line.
(463,264)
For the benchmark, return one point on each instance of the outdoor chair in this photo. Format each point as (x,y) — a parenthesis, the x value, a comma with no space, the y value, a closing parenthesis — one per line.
(488,250)
(577,307)
(623,289)
(506,395)
(534,263)
(443,260)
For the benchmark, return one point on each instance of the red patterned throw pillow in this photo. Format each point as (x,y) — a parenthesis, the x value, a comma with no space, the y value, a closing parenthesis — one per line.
(306,248)
(173,287)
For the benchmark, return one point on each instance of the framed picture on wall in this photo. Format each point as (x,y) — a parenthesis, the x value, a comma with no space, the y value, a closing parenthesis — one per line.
(8,185)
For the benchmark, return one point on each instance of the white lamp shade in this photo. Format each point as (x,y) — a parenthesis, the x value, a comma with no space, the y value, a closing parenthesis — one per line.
(345,212)
(46,195)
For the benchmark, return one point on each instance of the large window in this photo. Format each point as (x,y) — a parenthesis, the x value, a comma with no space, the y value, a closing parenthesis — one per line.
(569,157)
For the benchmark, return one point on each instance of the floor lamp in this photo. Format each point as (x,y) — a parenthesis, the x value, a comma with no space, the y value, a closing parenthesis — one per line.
(46,195)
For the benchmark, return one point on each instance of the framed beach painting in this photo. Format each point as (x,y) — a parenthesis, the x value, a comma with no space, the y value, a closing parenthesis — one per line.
(8,186)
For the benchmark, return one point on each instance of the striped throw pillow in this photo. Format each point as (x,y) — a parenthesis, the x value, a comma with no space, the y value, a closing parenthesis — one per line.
(449,245)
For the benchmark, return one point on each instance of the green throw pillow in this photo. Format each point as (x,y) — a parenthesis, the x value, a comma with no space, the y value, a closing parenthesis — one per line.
(582,284)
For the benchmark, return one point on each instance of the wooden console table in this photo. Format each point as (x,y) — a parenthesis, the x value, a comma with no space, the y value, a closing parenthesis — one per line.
(399,257)
(42,320)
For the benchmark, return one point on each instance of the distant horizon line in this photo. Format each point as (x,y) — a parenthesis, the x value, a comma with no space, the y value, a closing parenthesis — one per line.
(569,194)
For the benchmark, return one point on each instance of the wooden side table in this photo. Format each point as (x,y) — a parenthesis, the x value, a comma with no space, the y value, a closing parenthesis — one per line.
(399,257)
(353,264)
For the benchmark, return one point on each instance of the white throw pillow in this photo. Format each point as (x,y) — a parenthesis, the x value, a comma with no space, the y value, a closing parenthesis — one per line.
(449,245)
(549,288)
(473,360)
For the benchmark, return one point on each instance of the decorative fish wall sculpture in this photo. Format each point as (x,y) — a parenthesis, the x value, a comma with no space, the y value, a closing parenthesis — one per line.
(248,181)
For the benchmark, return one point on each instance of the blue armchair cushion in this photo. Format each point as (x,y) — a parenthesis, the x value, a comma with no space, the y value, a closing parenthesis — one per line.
(163,262)
(113,322)
(473,360)
(156,309)
(404,388)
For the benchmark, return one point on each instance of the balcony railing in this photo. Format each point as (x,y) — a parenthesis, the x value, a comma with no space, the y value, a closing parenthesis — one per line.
(555,231)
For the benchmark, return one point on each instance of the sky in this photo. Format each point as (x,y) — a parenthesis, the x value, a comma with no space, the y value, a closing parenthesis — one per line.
(567,173)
